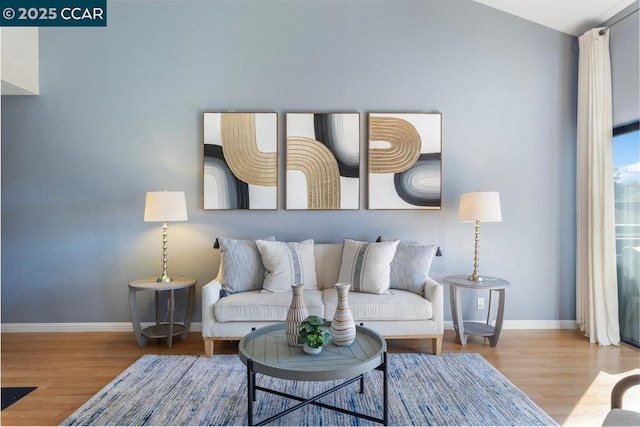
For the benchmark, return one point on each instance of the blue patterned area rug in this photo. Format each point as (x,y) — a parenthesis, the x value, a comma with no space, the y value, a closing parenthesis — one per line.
(451,389)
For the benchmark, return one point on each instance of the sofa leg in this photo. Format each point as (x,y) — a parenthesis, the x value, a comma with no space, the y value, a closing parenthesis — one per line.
(437,345)
(208,347)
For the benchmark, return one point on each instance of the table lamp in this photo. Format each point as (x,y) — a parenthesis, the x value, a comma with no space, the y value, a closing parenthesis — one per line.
(479,206)
(165,206)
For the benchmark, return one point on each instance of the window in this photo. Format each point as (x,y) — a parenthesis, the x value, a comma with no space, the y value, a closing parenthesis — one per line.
(626,159)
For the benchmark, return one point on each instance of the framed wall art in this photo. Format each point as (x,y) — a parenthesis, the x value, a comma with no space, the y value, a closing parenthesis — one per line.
(240,161)
(405,161)
(323,161)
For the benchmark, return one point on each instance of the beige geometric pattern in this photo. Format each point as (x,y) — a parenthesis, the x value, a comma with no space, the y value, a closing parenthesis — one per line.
(404,140)
(320,168)
(241,151)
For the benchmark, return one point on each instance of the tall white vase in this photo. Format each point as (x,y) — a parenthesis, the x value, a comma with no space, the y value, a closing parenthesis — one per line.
(343,328)
(296,314)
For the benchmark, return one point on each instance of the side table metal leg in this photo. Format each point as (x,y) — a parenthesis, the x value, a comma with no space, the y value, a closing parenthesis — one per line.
(493,340)
(189,315)
(456,308)
(157,295)
(491,308)
(135,320)
(172,306)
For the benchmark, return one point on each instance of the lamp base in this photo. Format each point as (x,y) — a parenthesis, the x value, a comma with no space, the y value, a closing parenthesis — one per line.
(475,277)
(164,279)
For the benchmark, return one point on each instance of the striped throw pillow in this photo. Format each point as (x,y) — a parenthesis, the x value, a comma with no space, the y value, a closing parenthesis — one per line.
(367,266)
(288,263)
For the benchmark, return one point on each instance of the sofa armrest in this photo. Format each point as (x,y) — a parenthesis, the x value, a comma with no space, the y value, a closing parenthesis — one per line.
(210,295)
(434,292)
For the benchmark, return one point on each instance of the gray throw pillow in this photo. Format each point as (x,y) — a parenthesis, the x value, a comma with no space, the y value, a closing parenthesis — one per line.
(411,265)
(241,266)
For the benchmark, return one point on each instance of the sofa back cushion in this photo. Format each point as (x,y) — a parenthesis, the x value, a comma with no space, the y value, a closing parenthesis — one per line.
(328,257)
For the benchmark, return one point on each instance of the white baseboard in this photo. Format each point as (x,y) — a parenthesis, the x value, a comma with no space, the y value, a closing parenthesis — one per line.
(540,324)
(530,324)
(197,326)
(82,327)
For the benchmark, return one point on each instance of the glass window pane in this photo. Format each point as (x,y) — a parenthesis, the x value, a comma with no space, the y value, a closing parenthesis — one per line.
(626,158)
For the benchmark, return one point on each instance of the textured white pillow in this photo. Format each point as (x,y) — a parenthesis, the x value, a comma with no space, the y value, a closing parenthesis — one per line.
(288,263)
(367,266)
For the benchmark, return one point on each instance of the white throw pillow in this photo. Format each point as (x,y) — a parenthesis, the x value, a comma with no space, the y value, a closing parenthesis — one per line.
(367,266)
(288,263)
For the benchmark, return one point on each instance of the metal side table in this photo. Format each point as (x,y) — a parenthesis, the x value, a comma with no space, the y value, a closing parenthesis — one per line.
(162,330)
(496,287)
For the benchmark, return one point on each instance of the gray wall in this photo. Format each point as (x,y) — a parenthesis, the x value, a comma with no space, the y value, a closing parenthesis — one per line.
(120,113)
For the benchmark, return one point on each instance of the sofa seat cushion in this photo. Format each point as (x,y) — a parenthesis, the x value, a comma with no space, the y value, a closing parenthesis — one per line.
(622,417)
(267,307)
(400,305)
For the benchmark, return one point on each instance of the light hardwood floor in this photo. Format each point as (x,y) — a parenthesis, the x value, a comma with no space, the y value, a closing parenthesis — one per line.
(559,370)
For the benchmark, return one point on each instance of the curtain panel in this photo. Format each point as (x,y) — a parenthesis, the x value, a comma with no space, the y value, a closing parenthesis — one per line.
(596,279)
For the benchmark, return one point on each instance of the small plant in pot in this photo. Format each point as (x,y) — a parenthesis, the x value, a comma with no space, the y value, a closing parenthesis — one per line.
(313,335)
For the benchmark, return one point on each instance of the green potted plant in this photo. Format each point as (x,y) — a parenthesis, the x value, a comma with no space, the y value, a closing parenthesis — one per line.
(313,335)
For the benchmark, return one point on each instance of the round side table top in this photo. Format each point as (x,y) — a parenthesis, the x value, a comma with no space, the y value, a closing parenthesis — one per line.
(271,355)
(151,284)
(488,282)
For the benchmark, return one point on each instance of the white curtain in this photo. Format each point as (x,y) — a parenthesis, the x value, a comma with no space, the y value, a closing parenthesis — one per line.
(596,279)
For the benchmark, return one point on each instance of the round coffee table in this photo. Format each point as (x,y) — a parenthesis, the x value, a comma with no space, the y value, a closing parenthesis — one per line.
(266,351)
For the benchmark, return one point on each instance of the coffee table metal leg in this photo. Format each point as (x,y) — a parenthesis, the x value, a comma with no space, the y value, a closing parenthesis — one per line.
(253,381)
(385,391)
(313,401)
(250,391)
(362,383)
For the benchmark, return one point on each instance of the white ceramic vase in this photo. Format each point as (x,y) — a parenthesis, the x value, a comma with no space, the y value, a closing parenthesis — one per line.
(343,328)
(296,314)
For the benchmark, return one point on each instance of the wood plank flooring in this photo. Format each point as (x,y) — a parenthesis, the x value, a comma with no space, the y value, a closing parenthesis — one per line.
(559,370)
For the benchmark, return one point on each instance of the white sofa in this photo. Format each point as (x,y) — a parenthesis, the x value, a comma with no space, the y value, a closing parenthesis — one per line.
(402,314)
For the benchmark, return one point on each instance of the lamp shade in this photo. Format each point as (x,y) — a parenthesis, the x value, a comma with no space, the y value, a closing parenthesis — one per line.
(164,206)
(483,206)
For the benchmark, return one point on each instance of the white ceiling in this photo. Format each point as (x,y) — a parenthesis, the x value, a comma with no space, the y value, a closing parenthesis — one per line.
(569,16)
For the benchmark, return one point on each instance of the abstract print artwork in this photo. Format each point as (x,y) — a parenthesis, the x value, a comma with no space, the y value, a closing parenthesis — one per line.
(323,161)
(405,161)
(240,161)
